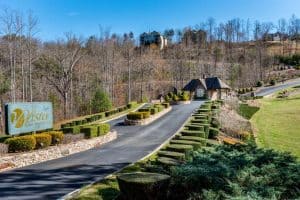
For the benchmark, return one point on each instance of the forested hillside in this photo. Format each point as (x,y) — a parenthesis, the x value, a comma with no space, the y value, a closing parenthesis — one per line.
(70,70)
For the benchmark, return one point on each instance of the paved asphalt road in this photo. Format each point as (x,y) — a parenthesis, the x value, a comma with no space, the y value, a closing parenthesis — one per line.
(269,90)
(55,178)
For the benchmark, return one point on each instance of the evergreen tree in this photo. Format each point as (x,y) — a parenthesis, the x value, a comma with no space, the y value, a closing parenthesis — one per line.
(101,101)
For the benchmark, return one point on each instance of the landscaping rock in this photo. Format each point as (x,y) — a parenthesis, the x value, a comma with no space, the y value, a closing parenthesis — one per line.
(53,152)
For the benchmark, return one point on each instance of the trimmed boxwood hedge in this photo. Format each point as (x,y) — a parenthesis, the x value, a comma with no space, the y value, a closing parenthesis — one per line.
(3,138)
(65,125)
(138,115)
(196,145)
(159,107)
(200,117)
(213,132)
(73,129)
(131,104)
(143,185)
(180,148)
(193,127)
(166,161)
(103,129)
(199,121)
(193,138)
(89,131)
(144,110)
(43,140)
(171,154)
(203,110)
(56,136)
(193,133)
(153,111)
(166,105)
(21,143)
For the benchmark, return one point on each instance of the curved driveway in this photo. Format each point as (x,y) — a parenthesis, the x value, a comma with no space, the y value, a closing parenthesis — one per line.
(269,90)
(55,178)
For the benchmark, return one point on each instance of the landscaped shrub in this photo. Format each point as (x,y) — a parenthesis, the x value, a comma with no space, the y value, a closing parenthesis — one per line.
(78,122)
(147,186)
(134,116)
(111,112)
(145,115)
(122,108)
(65,125)
(131,104)
(3,138)
(89,131)
(166,105)
(196,145)
(185,96)
(172,154)
(237,172)
(57,137)
(213,133)
(167,162)
(159,107)
(153,111)
(193,138)
(21,143)
(89,119)
(259,84)
(203,110)
(175,97)
(215,122)
(193,133)
(73,129)
(199,121)
(144,110)
(272,82)
(181,148)
(43,140)
(101,101)
(194,127)
(103,129)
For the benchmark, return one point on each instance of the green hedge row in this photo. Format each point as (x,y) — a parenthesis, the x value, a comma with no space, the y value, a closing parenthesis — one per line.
(98,116)
(90,131)
(34,141)
(201,126)
(138,115)
(145,112)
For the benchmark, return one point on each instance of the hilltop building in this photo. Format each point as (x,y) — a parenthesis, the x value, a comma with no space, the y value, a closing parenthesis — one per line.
(153,38)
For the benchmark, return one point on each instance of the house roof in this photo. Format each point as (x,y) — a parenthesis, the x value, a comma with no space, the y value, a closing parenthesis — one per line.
(207,83)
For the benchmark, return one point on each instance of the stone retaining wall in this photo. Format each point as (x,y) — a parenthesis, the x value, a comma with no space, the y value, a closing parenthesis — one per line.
(15,160)
(148,120)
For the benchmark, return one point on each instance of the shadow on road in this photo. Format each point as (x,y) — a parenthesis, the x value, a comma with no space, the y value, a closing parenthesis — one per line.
(52,184)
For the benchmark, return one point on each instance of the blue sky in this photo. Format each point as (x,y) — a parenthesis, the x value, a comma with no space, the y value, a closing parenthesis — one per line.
(83,17)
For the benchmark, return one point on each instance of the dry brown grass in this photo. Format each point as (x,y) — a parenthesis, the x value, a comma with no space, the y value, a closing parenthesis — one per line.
(234,125)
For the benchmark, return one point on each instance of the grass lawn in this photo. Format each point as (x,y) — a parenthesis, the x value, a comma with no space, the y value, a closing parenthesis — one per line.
(277,124)
(247,111)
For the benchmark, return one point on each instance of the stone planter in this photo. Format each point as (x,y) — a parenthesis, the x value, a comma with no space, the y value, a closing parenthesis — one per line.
(148,120)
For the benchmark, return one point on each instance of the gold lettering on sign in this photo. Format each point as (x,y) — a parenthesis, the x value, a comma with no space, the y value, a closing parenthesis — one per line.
(22,118)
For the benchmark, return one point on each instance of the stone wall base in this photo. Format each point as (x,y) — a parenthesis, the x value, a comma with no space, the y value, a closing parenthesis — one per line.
(16,160)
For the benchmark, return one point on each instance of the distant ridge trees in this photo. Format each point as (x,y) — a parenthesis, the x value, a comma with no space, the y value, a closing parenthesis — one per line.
(241,52)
